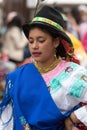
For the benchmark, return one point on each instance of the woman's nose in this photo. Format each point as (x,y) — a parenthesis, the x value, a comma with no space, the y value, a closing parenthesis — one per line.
(35,45)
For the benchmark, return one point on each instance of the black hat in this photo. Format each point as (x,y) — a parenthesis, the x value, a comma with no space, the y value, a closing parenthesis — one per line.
(52,19)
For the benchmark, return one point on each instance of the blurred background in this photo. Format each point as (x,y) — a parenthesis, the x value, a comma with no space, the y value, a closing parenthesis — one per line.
(27,7)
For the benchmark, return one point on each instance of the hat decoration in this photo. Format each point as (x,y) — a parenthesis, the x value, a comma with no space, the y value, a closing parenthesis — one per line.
(48,21)
(70,52)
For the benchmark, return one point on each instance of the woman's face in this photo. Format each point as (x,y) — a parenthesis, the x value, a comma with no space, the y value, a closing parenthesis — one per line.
(42,46)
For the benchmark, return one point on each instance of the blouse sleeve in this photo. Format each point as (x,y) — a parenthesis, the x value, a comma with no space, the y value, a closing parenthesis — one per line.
(76,83)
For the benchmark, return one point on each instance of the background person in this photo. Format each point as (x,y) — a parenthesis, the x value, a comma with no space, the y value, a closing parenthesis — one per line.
(14,41)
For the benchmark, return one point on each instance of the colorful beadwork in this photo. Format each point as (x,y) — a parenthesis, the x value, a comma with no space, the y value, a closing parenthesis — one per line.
(48,21)
(24,123)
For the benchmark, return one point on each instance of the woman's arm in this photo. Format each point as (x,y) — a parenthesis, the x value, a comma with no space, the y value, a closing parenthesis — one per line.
(70,122)
(77,119)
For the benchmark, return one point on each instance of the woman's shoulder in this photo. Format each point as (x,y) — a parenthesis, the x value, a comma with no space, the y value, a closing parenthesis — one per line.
(74,65)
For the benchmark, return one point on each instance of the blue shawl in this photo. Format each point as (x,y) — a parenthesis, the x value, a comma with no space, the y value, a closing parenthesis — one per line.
(32,102)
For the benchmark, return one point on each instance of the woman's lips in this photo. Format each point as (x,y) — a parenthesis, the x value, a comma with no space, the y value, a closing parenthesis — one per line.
(36,54)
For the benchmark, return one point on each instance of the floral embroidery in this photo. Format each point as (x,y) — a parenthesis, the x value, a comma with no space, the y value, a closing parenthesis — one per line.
(68,69)
(10,84)
(84,77)
(24,123)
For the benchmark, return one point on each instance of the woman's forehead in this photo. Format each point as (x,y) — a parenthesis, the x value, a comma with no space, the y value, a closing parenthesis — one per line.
(38,31)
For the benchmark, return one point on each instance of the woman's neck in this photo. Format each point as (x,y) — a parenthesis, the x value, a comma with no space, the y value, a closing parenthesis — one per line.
(44,68)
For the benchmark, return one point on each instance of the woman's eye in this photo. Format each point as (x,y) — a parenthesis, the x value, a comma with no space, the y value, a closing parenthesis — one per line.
(41,40)
(31,41)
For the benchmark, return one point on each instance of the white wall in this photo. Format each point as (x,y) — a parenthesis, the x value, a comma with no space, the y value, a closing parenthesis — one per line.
(32,3)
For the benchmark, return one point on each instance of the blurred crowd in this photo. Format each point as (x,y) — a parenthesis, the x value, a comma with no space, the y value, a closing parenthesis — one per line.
(76,27)
(14,46)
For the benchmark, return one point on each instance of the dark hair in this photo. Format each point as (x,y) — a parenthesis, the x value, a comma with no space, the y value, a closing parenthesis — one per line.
(61,51)
(16,21)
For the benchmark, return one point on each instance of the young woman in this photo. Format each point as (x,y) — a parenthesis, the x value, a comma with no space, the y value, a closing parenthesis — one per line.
(45,93)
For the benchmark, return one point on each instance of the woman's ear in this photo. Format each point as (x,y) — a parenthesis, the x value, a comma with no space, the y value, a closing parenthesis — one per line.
(56,42)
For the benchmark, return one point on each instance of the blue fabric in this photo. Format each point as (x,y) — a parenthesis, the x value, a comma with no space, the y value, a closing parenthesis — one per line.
(32,102)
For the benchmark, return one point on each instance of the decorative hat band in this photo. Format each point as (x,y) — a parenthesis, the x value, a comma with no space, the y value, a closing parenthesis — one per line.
(42,19)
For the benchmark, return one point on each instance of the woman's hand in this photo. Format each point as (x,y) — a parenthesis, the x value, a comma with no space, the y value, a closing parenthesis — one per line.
(74,128)
(68,124)
(72,121)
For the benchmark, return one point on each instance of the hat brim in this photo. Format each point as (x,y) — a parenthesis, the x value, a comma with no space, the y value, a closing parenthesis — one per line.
(62,34)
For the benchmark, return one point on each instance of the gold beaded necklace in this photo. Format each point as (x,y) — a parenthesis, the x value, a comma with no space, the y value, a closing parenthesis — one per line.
(46,69)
